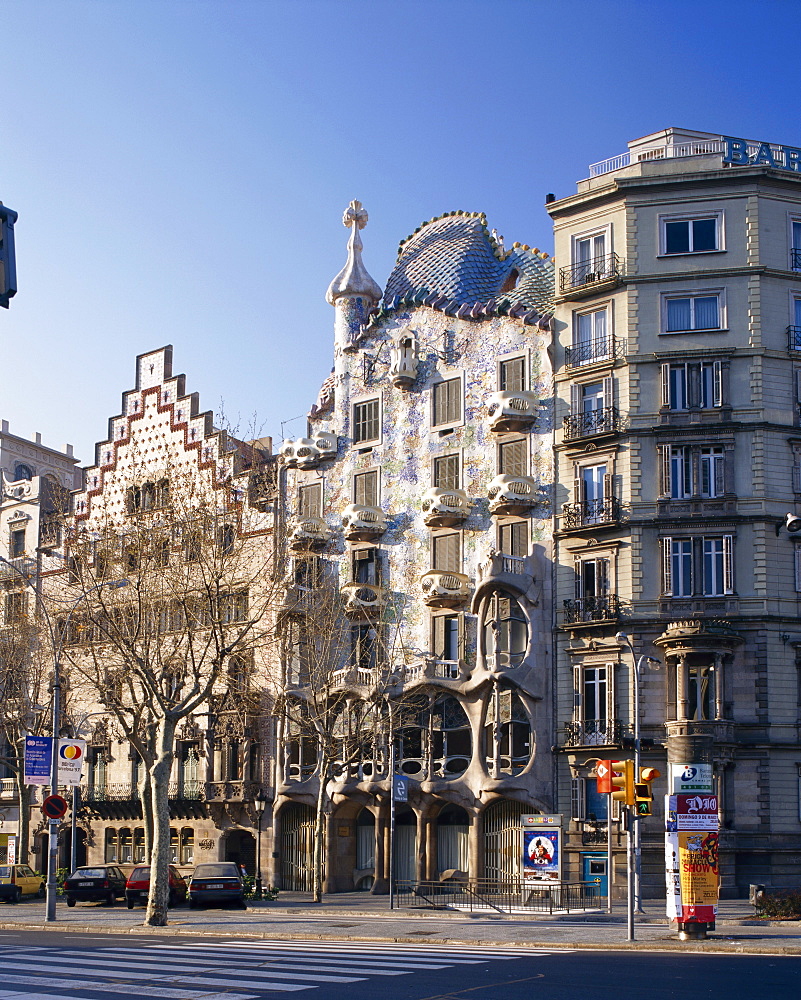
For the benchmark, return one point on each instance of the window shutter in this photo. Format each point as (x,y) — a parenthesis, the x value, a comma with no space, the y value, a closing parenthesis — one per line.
(609,391)
(610,691)
(513,375)
(717,376)
(311,500)
(439,637)
(601,577)
(578,701)
(575,400)
(728,567)
(720,482)
(667,568)
(665,385)
(578,488)
(577,798)
(579,589)
(446,552)
(797,554)
(664,470)
(365,488)
(461,637)
(798,384)
(797,473)
(609,483)
(693,385)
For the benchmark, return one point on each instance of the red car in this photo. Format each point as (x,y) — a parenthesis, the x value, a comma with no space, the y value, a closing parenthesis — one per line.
(137,888)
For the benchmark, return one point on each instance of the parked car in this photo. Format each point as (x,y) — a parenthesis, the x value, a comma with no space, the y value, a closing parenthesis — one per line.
(220,882)
(101,883)
(137,887)
(17,881)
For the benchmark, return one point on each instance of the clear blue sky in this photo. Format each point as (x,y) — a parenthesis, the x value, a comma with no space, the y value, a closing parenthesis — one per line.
(180,167)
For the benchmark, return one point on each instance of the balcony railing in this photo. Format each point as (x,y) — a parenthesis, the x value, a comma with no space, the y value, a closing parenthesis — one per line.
(602,348)
(698,147)
(590,513)
(18,569)
(128,791)
(592,609)
(794,338)
(8,788)
(585,275)
(596,733)
(602,421)
(795,259)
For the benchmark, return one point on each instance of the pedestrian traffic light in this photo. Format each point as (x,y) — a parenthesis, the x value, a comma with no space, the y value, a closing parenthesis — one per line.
(623,781)
(643,795)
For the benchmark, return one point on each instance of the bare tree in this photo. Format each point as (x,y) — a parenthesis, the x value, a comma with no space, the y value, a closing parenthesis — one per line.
(25,670)
(337,687)
(178,587)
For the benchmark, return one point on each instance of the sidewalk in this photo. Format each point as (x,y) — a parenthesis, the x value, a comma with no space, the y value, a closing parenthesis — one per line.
(361,917)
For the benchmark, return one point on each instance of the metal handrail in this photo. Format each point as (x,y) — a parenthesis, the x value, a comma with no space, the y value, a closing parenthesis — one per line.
(604,420)
(592,609)
(589,513)
(589,272)
(602,348)
(504,896)
(599,732)
(794,338)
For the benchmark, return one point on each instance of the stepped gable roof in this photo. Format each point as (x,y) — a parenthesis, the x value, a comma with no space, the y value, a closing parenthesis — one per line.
(454,264)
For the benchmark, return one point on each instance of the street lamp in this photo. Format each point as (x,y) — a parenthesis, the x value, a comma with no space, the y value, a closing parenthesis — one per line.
(624,640)
(259,802)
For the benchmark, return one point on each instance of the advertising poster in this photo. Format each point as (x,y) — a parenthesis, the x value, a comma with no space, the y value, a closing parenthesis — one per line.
(541,855)
(38,751)
(672,876)
(699,874)
(71,755)
(687,778)
(8,849)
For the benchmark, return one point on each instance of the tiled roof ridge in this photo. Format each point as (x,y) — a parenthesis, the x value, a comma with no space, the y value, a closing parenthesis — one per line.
(474,311)
(500,252)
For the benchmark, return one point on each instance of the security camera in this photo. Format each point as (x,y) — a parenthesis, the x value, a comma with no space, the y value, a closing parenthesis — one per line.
(792,523)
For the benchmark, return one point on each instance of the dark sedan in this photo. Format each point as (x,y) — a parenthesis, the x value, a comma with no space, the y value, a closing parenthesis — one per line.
(217,883)
(103,883)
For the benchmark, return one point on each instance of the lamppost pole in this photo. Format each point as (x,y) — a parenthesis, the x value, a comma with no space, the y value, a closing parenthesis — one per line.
(259,802)
(637,664)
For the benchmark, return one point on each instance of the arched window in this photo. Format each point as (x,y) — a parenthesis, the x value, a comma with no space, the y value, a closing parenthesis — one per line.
(452,737)
(112,845)
(187,846)
(22,471)
(507,733)
(163,493)
(126,846)
(148,496)
(505,631)
(225,538)
(139,845)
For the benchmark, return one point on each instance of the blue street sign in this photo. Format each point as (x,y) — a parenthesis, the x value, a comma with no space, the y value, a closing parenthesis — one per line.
(400,788)
(38,757)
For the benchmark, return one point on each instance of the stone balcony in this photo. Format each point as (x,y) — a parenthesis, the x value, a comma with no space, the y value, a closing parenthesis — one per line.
(361,523)
(307,453)
(444,589)
(362,600)
(308,533)
(512,410)
(443,508)
(509,494)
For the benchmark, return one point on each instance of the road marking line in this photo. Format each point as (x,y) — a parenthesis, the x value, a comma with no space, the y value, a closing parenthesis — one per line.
(156,991)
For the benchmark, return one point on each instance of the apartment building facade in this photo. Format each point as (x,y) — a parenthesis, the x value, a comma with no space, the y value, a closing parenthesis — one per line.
(677,383)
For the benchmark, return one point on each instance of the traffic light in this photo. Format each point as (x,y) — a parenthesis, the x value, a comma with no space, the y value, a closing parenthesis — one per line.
(623,781)
(643,795)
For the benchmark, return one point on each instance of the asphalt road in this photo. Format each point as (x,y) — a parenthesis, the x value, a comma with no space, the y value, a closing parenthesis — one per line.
(51,965)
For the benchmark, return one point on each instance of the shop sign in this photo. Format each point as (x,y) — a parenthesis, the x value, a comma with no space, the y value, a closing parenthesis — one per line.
(690,778)
(763,153)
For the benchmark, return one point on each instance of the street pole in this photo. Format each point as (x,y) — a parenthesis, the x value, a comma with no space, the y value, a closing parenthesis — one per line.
(609,801)
(52,838)
(260,804)
(392,819)
(637,828)
(629,877)
(76,803)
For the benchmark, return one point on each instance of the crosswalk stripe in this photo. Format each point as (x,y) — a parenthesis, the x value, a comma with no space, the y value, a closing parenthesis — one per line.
(154,991)
(16,995)
(109,974)
(433,954)
(436,950)
(266,954)
(312,965)
(248,984)
(99,967)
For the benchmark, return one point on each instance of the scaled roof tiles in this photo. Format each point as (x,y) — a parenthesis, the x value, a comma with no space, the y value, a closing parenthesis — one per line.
(453,264)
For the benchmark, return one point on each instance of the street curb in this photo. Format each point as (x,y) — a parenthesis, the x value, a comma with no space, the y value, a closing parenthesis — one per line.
(713,946)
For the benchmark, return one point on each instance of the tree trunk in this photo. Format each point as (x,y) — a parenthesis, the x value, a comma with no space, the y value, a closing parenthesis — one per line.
(319,836)
(146,798)
(157,902)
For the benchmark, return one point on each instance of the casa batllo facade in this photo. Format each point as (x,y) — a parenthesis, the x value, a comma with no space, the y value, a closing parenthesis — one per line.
(422,493)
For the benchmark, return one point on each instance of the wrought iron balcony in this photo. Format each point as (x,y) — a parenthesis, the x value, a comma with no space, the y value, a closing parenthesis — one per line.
(586,610)
(584,277)
(794,336)
(231,791)
(603,348)
(596,733)
(795,259)
(602,421)
(20,568)
(590,513)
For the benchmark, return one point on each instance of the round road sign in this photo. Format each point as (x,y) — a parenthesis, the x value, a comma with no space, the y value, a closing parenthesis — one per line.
(54,806)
